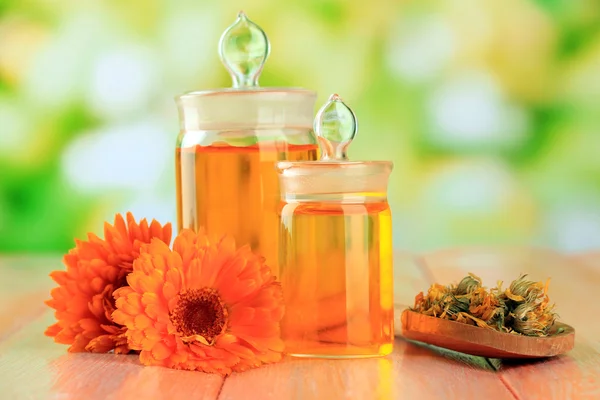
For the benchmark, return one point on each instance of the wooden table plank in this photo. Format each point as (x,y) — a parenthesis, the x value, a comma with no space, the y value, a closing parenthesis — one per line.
(412,371)
(24,285)
(32,366)
(589,259)
(575,375)
(409,278)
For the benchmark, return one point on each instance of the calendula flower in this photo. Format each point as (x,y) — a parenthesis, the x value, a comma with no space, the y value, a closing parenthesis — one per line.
(94,269)
(204,305)
(523,308)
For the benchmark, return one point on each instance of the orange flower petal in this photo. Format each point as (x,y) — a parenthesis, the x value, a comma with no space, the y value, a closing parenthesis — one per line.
(53,330)
(206,306)
(142,322)
(160,351)
(146,358)
(84,300)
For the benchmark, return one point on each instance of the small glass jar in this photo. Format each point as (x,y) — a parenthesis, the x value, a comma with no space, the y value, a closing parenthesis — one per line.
(336,256)
(231,138)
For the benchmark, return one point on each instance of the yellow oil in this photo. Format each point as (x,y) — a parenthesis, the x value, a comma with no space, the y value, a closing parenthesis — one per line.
(235,191)
(336,269)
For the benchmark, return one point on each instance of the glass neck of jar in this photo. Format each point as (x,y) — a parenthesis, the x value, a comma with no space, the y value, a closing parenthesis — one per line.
(341,198)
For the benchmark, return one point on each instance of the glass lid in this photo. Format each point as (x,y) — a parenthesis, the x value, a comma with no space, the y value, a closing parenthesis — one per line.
(244,49)
(335,126)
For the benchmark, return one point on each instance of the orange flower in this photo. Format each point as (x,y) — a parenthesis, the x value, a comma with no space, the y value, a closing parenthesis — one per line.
(203,306)
(95,268)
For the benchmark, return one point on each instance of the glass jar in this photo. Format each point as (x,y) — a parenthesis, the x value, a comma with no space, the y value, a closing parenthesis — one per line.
(336,256)
(231,138)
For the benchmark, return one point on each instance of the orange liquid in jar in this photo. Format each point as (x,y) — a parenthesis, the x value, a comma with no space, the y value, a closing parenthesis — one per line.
(235,190)
(336,270)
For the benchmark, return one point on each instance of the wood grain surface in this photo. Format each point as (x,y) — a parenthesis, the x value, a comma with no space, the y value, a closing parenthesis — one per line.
(33,367)
(574,285)
(24,285)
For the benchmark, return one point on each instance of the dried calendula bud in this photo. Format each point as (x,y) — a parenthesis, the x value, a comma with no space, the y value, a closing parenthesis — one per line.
(531,313)
(523,308)
(469,284)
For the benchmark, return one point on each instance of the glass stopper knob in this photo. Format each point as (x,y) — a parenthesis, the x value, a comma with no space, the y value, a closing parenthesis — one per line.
(335,126)
(243,49)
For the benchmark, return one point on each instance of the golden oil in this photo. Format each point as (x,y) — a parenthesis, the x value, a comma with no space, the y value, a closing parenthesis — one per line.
(235,190)
(336,271)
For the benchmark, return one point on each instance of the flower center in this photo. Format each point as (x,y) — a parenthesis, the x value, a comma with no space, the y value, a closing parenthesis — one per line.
(200,315)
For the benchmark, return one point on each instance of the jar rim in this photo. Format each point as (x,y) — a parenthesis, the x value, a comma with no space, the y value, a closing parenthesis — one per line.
(247,91)
(297,168)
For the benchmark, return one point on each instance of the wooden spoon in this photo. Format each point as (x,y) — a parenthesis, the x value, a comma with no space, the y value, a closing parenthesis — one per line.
(485,342)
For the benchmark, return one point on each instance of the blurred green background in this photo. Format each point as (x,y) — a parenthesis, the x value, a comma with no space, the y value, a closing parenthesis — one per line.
(490,110)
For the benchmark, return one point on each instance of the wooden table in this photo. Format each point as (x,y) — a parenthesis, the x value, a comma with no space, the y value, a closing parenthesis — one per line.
(33,367)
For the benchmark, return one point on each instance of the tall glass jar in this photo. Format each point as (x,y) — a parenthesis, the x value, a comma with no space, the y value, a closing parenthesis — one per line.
(336,261)
(231,138)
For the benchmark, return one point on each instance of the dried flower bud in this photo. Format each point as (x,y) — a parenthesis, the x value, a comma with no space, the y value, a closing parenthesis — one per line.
(468,285)
(521,309)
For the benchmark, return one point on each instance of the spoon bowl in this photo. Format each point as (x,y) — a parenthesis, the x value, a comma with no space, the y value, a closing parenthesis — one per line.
(484,342)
